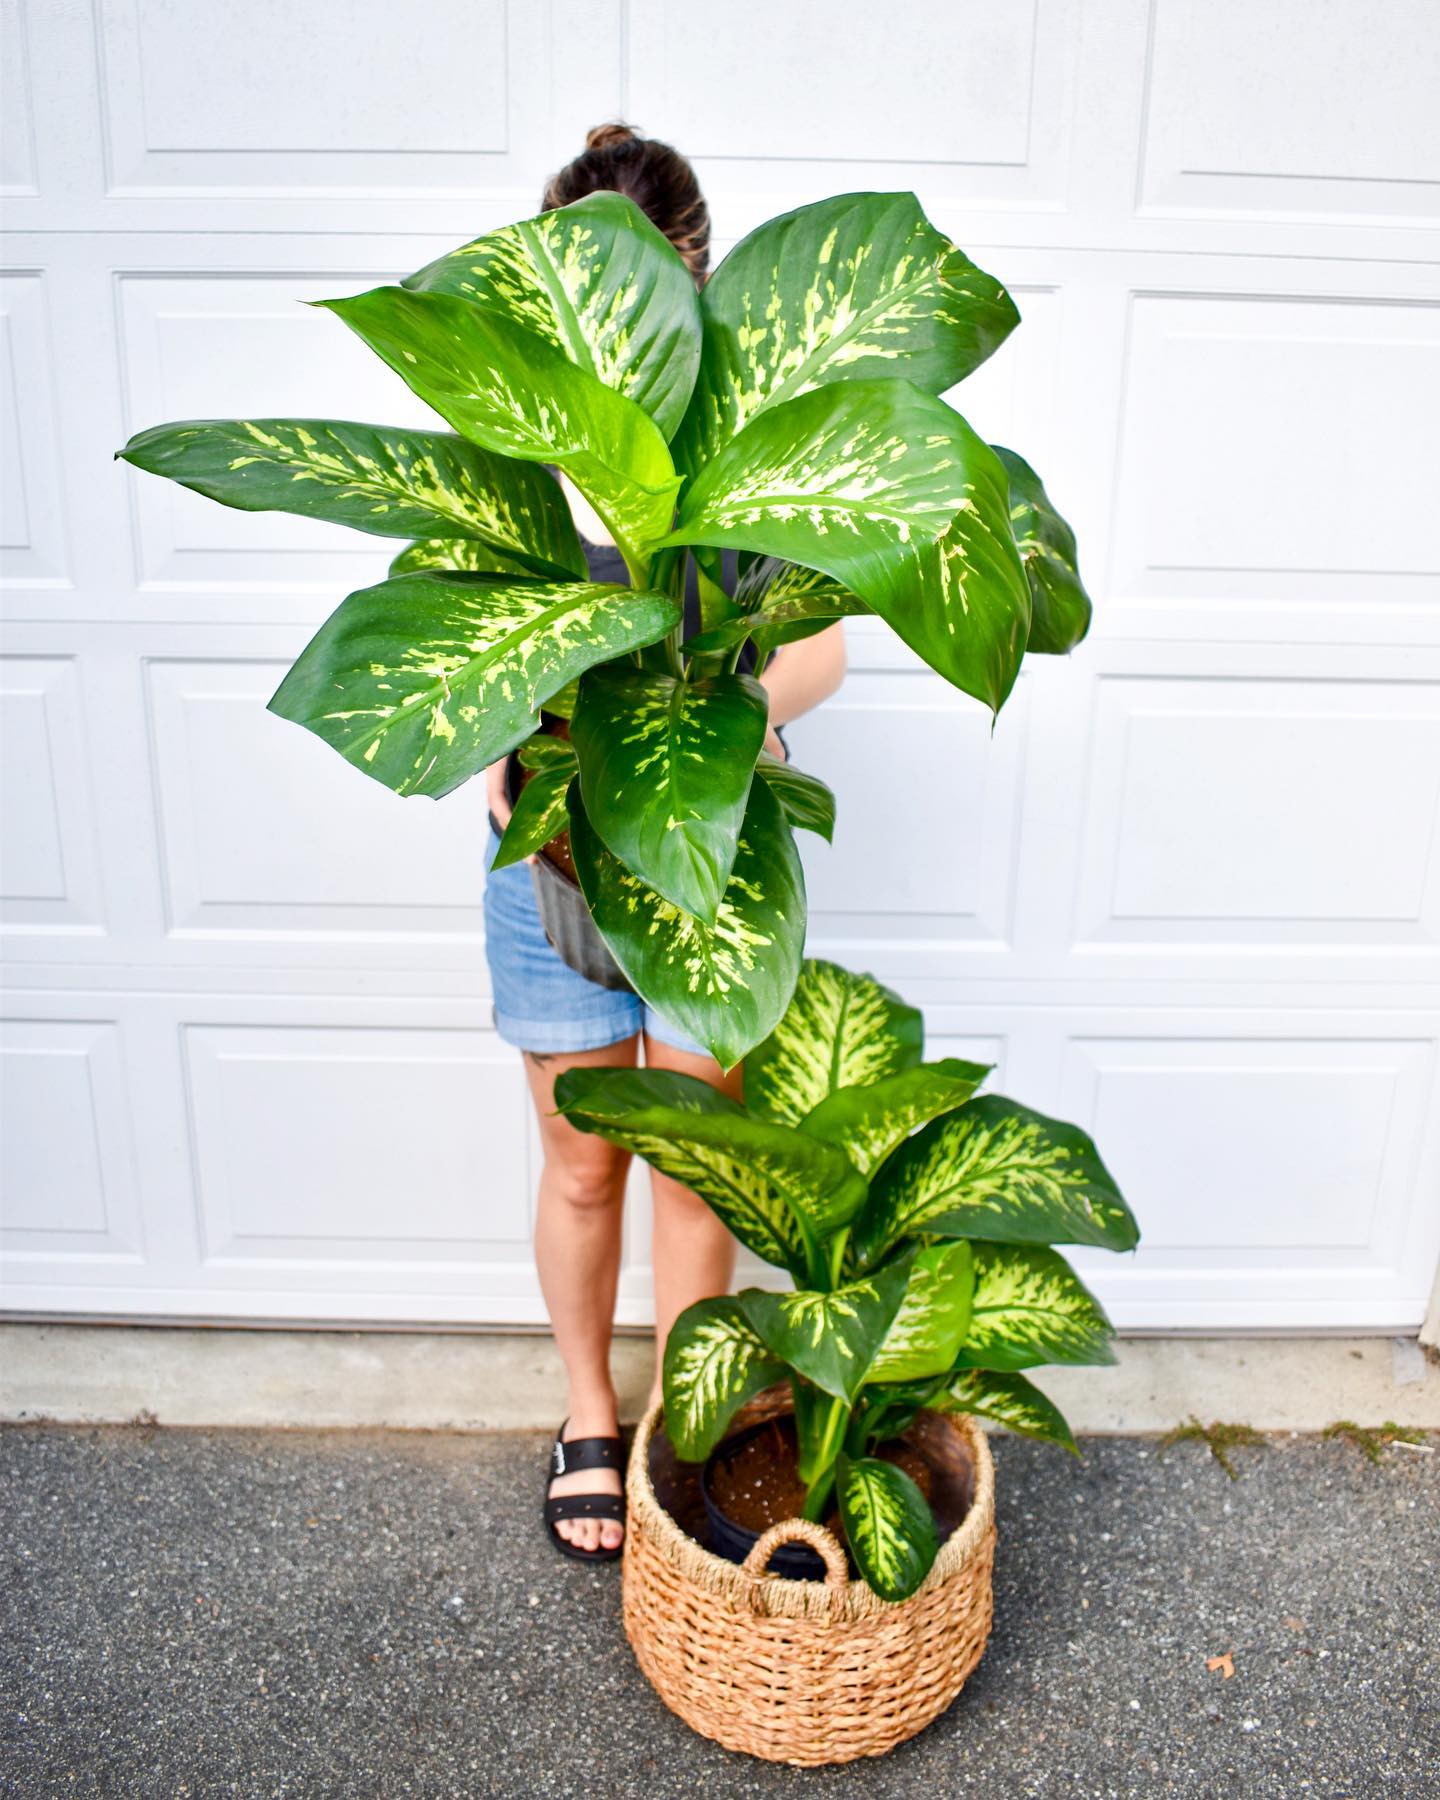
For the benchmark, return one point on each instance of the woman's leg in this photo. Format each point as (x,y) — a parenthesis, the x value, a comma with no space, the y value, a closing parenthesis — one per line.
(577,1252)
(693,1255)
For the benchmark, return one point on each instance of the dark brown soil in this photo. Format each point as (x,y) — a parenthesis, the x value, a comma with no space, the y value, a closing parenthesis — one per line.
(764,1487)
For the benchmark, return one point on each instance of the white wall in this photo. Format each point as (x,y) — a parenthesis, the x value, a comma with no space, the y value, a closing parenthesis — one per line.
(1188,893)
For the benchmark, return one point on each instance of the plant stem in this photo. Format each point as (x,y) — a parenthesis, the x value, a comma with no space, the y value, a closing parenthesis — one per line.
(818,1497)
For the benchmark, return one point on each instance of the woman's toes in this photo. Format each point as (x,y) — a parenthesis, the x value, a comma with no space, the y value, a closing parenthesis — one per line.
(610,1535)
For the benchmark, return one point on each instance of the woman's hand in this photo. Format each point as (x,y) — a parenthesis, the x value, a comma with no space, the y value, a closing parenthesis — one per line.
(773,744)
(495,792)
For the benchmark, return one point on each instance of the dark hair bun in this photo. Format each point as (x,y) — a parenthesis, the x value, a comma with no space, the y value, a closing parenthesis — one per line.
(607,137)
(655,176)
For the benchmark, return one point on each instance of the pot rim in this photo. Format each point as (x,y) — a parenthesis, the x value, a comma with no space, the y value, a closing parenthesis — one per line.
(777,1594)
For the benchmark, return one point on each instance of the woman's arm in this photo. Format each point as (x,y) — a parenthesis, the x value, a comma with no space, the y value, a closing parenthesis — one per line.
(801,675)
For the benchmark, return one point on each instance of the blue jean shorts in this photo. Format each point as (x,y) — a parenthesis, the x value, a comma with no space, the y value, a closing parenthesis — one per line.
(541,1003)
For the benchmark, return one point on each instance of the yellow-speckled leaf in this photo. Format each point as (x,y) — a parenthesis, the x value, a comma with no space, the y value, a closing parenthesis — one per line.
(868,1122)
(464,555)
(1031,1307)
(376,478)
(753,1176)
(514,393)
(888,1525)
(714,1362)
(778,603)
(1000,1171)
(426,679)
(725,984)
(889,492)
(665,770)
(1010,1400)
(600,283)
(539,814)
(840,1030)
(926,1334)
(861,285)
(830,1336)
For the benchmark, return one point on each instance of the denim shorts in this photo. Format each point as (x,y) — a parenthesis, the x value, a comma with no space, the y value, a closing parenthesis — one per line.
(541,1003)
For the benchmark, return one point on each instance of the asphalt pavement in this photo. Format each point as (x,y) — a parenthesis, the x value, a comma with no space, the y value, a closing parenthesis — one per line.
(255,1613)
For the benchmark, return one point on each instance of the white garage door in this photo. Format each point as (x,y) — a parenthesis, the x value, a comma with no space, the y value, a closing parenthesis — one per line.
(1187,894)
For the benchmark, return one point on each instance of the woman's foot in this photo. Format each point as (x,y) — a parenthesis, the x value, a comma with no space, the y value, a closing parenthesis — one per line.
(598,1419)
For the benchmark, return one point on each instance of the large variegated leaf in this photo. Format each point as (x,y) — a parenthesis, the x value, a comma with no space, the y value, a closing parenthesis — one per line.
(665,771)
(425,679)
(465,555)
(1000,1171)
(1031,1307)
(830,1336)
(840,1030)
(890,492)
(961,603)
(376,478)
(861,285)
(511,392)
(926,1334)
(888,1525)
(600,283)
(539,813)
(805,799)
(1060,607)
(1009,1400)
(868,1122)
(702,1139)
(714,1362)
(726,984)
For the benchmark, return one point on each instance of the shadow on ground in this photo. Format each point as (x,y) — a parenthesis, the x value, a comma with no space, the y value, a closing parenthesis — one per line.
(248,1613)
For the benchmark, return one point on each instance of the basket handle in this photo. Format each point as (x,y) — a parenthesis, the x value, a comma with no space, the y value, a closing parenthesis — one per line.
(789,1531)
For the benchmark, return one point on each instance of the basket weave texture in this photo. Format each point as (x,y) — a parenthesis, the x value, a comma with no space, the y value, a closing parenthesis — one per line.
(803,1672)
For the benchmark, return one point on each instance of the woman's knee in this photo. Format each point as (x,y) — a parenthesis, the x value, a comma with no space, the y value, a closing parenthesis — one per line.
(587,1176)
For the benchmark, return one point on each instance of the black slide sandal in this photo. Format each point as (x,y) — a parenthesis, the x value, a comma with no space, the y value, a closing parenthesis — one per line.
(568,1459)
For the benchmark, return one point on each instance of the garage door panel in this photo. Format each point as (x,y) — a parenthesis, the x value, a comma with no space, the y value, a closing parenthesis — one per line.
(1292,108)
(49,876)
(32,531)
(266,831)
(1262,811)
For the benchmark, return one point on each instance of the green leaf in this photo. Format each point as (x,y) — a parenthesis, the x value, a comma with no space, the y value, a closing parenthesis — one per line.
(961,602)
(510,391)
(778,603)
(926,1334)
(830,1336)
(820,1421)
(1060,606)
(714,1362)
(840,1030)
(425,679)
(665,771)
(868,1122)
(1010,1400)
(861,285)
(546,751)
(701,1138)
(377,478)
(996,1170)
(805,799)
(888,1525)
(598,281)
(725,984)
(890,492)
(465,555)
(1031,1307)
(539,813)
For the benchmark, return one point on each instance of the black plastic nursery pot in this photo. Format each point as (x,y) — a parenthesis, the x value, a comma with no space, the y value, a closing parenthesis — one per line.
(734,1541)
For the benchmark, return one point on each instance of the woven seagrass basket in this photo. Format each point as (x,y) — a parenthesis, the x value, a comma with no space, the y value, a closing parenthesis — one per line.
(803,1672)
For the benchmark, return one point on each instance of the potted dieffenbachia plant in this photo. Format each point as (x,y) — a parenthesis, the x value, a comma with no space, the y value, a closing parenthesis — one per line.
(915,1218)
(789,413)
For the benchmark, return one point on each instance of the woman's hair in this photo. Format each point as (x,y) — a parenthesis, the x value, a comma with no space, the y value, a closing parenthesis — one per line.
(658,179)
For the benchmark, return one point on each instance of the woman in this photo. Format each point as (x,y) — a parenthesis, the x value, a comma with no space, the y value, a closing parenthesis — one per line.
(562,1021)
